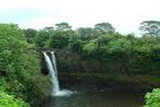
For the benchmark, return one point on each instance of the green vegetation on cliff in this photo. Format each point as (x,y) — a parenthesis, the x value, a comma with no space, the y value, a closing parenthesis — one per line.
(19,66)
(91,50)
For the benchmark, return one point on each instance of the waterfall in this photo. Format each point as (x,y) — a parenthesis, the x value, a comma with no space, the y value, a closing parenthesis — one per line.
(54,63)
(53,71)
(52,67)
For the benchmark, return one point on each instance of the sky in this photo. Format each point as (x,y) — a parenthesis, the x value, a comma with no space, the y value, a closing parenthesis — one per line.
(124,15)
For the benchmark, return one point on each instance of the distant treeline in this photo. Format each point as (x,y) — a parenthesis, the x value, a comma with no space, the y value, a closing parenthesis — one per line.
(101,49)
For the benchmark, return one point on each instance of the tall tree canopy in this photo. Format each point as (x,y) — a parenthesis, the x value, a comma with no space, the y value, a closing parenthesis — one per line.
(48,28)
(150,28)
(87,33)
(30,35)
(104,27)
(63,26)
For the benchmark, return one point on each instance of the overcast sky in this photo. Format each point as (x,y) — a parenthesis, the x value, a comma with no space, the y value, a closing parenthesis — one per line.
(124,15)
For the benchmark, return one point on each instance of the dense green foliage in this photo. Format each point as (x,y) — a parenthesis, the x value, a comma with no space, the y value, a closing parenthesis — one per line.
(19,65)
(153,98)
(9,101)
(110,51)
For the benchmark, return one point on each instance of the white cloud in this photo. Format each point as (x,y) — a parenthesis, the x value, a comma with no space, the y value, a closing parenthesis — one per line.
(125,15)
(39,23)
(16,4)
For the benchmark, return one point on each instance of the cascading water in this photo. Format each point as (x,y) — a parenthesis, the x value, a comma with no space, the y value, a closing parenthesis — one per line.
(54,64)
(53,73)
(52,67)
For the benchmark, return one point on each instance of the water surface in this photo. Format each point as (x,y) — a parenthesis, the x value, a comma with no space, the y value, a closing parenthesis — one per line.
(97,99)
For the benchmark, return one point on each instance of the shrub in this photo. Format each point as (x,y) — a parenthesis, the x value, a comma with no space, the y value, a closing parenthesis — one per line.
(152,99)
(9,101)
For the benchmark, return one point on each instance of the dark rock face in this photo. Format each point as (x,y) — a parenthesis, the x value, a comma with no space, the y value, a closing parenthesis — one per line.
(44,69)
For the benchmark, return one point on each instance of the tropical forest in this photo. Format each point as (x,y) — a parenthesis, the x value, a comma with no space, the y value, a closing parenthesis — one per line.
(61,66)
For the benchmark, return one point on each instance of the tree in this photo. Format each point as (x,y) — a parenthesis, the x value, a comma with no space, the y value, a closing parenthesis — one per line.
(14,65)
(48,28)
(19,66)
(42,37)
(104,27)
(87,33)
(150,28)
(58,39)
(64,26)
(30,35)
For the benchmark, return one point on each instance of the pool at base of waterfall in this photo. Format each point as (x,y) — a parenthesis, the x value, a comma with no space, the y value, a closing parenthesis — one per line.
(97,98)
